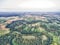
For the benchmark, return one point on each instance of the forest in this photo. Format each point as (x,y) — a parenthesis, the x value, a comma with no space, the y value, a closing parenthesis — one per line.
(30,30)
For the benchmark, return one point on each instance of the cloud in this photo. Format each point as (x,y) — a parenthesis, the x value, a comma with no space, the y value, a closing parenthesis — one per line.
(32,5)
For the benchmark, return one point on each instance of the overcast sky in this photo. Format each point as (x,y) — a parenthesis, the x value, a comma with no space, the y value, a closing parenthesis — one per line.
(29,5)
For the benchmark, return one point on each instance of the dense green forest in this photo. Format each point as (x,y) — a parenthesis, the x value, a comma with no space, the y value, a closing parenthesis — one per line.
(30,31)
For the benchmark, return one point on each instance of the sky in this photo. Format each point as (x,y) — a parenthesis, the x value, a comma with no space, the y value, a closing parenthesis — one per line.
(29,5)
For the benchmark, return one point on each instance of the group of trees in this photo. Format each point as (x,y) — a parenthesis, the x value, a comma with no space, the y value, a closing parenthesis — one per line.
(29,29)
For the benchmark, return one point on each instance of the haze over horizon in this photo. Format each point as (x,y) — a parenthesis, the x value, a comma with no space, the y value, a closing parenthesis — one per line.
(29,5)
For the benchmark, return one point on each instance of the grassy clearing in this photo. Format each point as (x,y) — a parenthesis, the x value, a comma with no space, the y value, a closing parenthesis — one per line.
(3,32)
(28,37)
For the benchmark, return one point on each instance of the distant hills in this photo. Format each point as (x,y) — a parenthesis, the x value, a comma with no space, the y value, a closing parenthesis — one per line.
(8,14)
